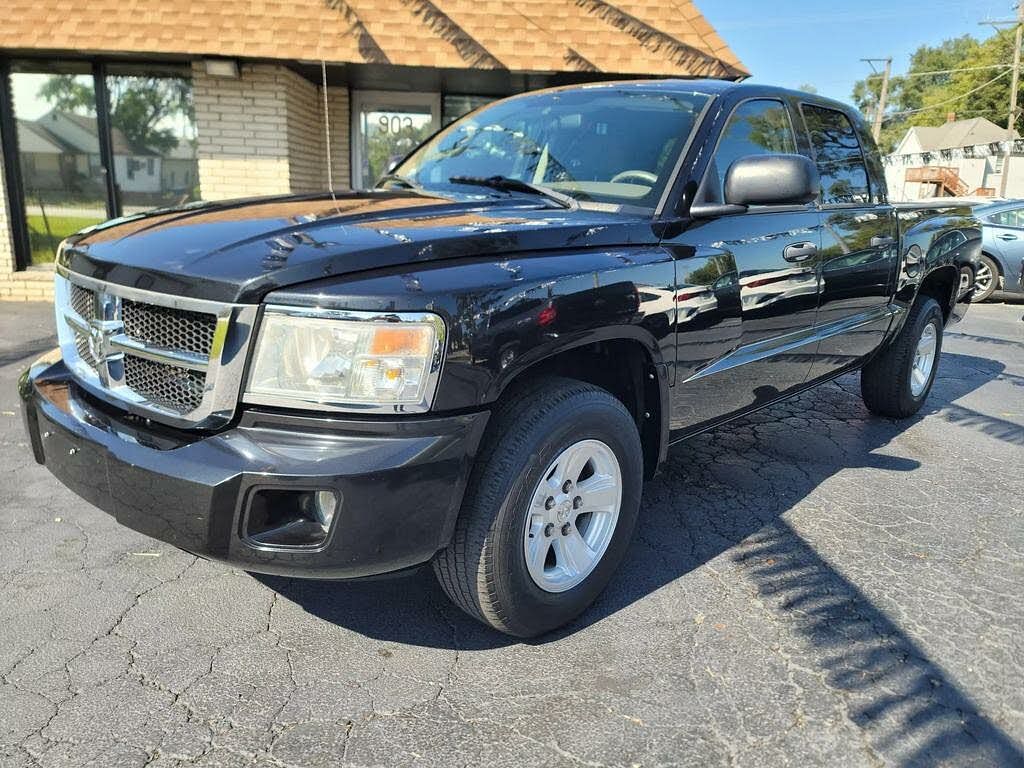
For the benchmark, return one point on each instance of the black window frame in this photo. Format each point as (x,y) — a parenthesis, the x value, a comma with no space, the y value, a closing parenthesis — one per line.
(873,199)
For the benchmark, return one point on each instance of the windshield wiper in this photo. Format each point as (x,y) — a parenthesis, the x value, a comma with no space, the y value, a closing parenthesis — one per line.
(506,184)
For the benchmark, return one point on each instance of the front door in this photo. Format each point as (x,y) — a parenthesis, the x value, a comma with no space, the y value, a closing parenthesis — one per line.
(859,258)
(386,126)
(747,286)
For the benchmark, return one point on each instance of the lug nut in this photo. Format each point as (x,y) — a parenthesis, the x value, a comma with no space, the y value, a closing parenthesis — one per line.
(567,486)
(577,502)
(565,529)
(549,529)
(549,502)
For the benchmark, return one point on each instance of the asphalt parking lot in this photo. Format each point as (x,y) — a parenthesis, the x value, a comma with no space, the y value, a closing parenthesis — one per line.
(809,586)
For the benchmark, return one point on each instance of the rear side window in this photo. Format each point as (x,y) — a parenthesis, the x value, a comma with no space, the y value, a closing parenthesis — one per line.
(757,127)
(844,177)
(1014,218)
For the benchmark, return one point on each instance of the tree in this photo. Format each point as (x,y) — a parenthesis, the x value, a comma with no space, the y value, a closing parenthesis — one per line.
(139,106)
(918,99)
(807,88)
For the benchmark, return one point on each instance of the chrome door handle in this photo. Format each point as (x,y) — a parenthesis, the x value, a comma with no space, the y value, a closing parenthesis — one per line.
(798,252)
(882,242)
(1007,236)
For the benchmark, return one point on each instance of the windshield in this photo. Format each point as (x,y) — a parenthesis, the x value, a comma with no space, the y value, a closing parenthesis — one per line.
(604,146)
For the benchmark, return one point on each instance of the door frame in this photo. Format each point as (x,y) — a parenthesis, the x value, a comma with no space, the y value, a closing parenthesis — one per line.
(360,99)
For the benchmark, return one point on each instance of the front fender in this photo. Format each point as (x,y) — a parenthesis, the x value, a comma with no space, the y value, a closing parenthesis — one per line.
(504,317)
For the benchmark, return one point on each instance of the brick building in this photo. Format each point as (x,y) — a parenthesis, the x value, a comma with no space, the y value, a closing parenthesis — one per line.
(108,107)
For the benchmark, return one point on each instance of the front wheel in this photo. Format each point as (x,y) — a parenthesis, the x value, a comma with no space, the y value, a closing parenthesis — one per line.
(549,510)
(897,381)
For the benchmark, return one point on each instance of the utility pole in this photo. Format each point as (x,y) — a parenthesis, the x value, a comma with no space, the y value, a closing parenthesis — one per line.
(1011,122)
(876,130)
(1015,78)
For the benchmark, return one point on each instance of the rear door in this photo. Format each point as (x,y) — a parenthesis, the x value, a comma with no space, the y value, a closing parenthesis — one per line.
(858,260)
(1004,234)
(747,289)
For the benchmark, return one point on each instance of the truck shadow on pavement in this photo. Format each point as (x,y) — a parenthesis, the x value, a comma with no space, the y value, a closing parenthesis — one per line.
(725,492)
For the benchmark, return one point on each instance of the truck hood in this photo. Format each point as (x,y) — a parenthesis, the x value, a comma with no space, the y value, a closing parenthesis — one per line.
(239,251)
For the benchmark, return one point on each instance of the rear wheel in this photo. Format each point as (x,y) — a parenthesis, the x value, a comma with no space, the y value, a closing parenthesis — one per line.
(897,381)
(986,279)
(549,510)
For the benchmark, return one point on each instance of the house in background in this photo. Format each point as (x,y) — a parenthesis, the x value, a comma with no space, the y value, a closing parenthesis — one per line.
(961,158)
(395,72)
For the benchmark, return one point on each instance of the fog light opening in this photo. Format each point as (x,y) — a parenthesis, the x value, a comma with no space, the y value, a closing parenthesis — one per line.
(319,506)
(278,517)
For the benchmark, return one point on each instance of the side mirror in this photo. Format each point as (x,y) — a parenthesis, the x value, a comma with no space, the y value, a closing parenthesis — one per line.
(772,180)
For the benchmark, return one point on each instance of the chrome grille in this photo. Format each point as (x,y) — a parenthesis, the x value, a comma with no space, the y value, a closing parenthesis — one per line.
(176,389)
(169,328)
(159,355)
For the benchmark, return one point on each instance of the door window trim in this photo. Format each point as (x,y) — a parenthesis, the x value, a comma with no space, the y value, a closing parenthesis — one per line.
(871,202)
(718,141)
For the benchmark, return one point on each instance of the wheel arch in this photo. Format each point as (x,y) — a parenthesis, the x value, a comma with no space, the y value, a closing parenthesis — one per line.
(626,362)
(941,284)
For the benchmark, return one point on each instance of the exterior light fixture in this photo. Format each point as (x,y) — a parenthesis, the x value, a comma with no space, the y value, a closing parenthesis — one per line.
(221,68)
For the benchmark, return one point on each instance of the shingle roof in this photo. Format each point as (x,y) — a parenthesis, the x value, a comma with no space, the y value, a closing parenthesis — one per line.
(658,37)
(958,133)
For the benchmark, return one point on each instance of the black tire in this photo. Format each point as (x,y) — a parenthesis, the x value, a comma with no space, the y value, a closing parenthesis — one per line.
(982,295)
(885,382)
(484,569)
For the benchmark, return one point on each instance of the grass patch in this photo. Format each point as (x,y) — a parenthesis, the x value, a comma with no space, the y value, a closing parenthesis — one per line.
(44,242)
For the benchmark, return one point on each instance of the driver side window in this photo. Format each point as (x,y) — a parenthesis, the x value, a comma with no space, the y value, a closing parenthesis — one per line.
(756,127)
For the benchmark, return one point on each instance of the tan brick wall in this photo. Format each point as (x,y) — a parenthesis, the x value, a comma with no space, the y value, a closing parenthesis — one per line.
(242,128)
(341,151)
(263,133)
(6,240)
(29,285)
(306,156)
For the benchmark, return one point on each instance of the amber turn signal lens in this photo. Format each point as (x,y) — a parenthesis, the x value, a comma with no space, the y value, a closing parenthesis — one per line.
(400,341)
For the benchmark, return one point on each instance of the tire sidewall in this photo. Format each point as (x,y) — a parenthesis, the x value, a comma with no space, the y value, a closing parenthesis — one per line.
(530,610)
(931,313)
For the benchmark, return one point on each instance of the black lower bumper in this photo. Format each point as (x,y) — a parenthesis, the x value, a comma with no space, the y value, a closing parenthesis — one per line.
(400,482)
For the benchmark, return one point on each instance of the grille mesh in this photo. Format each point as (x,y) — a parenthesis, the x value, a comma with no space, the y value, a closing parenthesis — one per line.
(168,386)
(169,328)
(82,302)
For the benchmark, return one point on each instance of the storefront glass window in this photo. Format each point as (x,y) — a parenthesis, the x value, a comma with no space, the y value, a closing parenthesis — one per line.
(58,151)
(153,134)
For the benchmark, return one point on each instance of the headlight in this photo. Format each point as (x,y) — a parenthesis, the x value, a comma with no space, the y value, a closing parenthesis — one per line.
(350,361)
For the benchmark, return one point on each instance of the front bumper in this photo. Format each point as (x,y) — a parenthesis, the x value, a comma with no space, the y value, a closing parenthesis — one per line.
(400,481)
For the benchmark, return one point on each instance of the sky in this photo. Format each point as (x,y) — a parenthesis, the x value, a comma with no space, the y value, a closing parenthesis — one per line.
(803,42)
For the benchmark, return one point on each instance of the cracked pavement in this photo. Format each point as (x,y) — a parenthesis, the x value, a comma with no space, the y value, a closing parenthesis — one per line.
(809,586)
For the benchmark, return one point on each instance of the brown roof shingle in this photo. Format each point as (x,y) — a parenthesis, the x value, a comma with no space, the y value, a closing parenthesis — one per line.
(658,37)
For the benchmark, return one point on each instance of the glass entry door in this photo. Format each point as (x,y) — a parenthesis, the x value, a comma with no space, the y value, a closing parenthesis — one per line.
(386,126)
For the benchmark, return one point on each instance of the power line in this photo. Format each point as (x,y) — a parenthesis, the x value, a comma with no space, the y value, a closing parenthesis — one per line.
(942,71)
(947,101)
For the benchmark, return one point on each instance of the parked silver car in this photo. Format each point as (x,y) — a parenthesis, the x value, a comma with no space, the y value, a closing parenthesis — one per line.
(1002,249)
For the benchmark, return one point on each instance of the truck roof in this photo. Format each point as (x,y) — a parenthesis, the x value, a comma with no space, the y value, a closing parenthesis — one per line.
(707,86)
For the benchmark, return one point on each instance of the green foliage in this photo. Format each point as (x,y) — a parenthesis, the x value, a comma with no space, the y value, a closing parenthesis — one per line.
(138,105)
(45,234)
(938,95)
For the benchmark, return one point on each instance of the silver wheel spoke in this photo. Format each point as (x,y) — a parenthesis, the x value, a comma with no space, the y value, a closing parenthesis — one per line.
(573,554)
(599,493)
(924,359)
(558,555)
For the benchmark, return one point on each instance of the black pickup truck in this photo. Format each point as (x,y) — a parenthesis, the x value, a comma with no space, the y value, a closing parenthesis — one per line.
(476,364)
